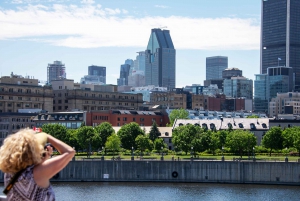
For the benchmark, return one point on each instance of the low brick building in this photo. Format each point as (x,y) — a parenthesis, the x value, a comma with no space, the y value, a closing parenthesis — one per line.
(122,117)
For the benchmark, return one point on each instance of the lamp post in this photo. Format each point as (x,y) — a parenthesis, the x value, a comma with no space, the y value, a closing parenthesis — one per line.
(132,157)
(192,153)
(254,154)
(162,154)
(223,154)
(286,158)
(102,157)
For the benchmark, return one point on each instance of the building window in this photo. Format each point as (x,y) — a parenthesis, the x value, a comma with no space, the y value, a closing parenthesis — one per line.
(66,101)
(19,98)
(119,119)
(66,107)
(141,119)
(10,98)
(133,119)
(59,101)
(59,107)
(124,118)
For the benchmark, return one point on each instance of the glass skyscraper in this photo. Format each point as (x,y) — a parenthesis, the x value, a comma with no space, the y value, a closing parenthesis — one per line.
(260,93)
(280,36)
(215,66)
(267,86)
(238,87)
(124,73)
(160,60)
(99,71)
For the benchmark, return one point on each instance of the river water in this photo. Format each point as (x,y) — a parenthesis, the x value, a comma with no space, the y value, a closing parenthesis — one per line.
(148,191)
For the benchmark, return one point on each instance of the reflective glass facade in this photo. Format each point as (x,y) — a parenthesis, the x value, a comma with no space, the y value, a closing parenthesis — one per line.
(260,94)
(267,86)
(98,71)
(124,73)
(238,88)
(281,35)
(215,66)
(160,60)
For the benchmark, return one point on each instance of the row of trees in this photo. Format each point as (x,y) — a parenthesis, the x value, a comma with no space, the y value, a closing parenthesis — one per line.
(103,136)
(191,138)
(276,139)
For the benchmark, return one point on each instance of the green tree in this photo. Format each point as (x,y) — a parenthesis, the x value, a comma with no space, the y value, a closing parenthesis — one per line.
(72,139)
(113,143)
(183,137)
(239,141)
(222,135)
(154,132)
(178,114)
(273,139)
(159,143)
(297,142)
(143,142)
(289,135)
(56,130)
(128,133)
(105,130)
(88,138)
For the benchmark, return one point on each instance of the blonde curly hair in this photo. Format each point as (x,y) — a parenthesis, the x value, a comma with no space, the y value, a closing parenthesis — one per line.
(19,151)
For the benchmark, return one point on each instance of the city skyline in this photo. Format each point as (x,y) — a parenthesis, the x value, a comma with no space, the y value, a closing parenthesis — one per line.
(86,32)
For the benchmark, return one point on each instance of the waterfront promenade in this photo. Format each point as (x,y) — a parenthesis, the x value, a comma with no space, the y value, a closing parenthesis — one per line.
(241,172)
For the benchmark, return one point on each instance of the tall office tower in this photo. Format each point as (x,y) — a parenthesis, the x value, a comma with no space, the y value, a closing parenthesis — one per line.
(260,93)
(215,66)
(99,71)
(160,60)
(124,73)
(140,61)
(280,36)
(56,71)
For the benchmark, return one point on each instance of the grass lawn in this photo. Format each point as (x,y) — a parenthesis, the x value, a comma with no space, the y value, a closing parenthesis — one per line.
(82,156)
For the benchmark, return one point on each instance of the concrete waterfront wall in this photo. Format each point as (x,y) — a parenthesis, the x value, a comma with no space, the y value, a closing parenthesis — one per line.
(188,171)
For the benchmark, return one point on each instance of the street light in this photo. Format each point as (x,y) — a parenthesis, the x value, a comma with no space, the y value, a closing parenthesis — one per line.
(223,154)
(192,153)
(253,153)
(102,158)
(286,152)
(132,157)
(162,154)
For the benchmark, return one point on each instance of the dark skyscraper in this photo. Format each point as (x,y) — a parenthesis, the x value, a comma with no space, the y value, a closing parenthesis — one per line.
(124,73)
(99,71)
(160,60)
(215,66)
(280,36)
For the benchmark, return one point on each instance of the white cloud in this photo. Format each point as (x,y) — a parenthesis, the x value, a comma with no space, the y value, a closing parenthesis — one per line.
(89,26)
(161,6)
(87,1)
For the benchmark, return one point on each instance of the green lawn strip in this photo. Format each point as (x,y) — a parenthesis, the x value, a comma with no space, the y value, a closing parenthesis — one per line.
(188,157)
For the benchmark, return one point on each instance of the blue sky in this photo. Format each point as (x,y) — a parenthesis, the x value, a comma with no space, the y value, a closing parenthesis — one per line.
(80,33)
